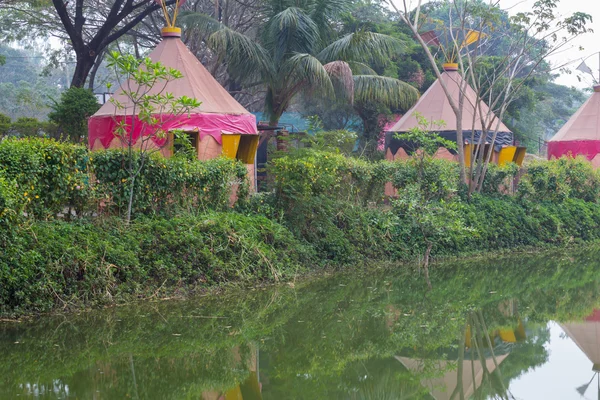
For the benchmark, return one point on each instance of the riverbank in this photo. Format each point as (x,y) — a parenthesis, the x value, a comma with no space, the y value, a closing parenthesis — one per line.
(66,266)
(322,211)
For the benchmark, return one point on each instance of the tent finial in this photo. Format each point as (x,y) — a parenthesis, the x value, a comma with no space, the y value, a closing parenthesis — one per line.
(170,29)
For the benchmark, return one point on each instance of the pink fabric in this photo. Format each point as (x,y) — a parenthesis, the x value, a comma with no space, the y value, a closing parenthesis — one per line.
(102,127)
(573,148)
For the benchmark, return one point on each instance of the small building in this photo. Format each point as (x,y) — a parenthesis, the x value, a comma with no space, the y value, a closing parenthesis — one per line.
(581,134)
(434,106)
(219,126)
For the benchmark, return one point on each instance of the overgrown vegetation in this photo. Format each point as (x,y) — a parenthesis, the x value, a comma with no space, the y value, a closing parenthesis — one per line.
(65,243)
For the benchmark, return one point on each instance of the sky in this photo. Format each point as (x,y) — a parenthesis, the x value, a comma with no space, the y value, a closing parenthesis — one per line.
(570,53)
(589,41)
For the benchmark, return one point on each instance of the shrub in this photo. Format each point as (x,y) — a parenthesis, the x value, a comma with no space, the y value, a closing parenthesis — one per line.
(76,105)
(11,209)
(49,175)
(4,125)
(60,264)
(437,179)
(499,179)
(167,185)
(313,173)
(31,127)
(557,180)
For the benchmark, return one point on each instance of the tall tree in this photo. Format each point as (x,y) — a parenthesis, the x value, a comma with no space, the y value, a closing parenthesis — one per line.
(87,26)
(299,50)
(528,37)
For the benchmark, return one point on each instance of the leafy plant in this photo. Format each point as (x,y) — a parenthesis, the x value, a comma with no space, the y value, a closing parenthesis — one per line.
(76,105)
(150,108)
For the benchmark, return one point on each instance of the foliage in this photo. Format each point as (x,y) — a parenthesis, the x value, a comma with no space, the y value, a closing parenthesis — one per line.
(50,176)
(11,207)
(4,124)
(561,179)
(336,141)
(299,50)
(436,179)
(150,108)
(76,105)
(500,179)
(424,136)
(65,264)
(26,89)
(167,185)
(312,173)
(31,127)
(84,27)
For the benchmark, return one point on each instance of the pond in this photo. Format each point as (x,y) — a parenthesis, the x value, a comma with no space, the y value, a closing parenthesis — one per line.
(525,327)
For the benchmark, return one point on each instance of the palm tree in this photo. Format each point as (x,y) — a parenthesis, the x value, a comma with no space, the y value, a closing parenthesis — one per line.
(297,51)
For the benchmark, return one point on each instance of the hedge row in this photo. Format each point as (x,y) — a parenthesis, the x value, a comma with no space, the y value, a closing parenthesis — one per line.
(54,178)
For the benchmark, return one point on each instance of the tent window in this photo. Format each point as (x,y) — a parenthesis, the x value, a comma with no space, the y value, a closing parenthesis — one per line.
(192,138)
(247,148)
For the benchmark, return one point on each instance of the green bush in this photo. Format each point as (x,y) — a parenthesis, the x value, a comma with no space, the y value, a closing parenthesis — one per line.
(499,179)
(31,127)
(73,264)
(76,105)
(11,209)
(168,185)
(49,175)
(437,179)
(4,125)
(311,173)
(560,179)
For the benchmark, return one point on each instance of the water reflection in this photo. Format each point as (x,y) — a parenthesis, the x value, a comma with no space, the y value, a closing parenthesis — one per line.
(586,335)
(482,332)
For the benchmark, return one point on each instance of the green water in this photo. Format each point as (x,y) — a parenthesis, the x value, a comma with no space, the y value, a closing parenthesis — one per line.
(522,327)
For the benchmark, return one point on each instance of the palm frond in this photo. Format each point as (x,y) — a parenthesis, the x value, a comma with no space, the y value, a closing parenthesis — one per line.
(322,12)
(201,24)
(368,47)
(392,92)
(340,74)
(304,71)
(291,31)
(246,59)
(359,68)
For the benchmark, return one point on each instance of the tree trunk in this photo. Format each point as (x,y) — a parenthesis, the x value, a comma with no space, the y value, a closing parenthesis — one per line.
(92,80)
(130,204)
(85,63)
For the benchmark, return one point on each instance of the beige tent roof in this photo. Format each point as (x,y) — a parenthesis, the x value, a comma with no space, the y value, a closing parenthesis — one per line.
(434,105)
(585,123)
(197,82)
(441,388)
(586,336)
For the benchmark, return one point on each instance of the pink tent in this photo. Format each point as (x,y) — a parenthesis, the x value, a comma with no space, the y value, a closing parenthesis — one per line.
(219,126)
(581,134)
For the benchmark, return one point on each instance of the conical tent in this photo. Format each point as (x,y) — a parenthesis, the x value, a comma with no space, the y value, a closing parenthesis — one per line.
(443,387)
(581,134)
(435,106)
(586,335)
(220,125)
